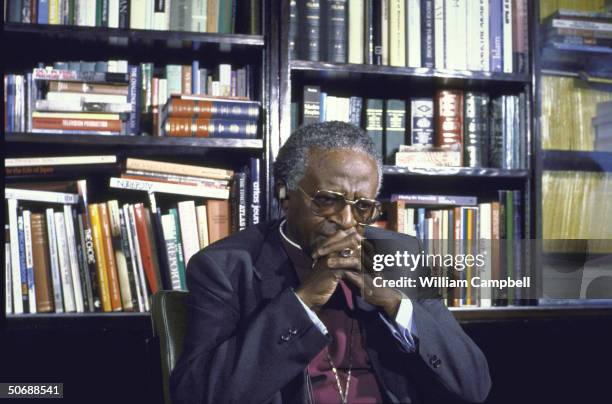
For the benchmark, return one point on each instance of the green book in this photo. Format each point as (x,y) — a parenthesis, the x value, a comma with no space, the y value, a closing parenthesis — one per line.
(179,248)
(395,128)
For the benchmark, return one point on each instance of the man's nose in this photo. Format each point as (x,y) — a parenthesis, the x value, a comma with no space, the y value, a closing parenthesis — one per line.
(345,218)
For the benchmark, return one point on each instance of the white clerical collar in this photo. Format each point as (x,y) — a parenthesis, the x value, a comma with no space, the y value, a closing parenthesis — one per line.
(287,239)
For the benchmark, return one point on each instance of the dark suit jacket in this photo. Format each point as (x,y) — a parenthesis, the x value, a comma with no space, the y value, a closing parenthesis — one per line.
(241,303)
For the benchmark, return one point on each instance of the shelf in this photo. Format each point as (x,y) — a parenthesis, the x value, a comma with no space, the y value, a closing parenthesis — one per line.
(457,172)
(324,69)
(135,35)
(80,322)
(583,309)
(561,58)
(566,160)
(193,145)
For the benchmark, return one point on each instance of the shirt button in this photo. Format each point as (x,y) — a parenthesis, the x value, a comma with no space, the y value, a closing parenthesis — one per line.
(285,337)
(293,331)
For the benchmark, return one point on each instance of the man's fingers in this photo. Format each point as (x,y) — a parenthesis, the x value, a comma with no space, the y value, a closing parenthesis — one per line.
(336,262)
(339,237)
(352,241)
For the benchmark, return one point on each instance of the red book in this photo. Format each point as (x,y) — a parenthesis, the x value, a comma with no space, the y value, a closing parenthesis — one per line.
(449,119)
(77,124)
(149,262)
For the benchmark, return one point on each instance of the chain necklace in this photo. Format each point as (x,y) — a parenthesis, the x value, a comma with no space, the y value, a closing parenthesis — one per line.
(343,395)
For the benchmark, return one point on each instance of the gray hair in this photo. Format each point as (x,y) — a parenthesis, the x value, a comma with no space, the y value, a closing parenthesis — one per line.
(292,160)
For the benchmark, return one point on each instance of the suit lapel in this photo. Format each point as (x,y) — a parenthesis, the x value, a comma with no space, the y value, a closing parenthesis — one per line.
(273,266)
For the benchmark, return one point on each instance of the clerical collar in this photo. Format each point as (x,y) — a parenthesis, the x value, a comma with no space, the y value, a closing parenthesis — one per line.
(287,239)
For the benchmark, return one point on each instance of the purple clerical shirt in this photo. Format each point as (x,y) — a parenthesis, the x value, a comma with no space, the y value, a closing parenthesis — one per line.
(338,315)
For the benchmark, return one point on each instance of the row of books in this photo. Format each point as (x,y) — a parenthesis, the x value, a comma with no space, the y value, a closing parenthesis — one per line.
(575,30)
(461,225)
(602,123)
(478,35)
(86,257)
(113,98)
(568,107)
(217,16)
(471,129)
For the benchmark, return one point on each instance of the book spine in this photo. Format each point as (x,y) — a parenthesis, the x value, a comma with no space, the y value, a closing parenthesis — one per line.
(8,287)
(507,35)
(483,35)
(368,50)
(86,280)
(439,34)
(180,258)
(73,260)
(89,248)
(374,124)
(139,259)
(356,34)
(29,261)
(475,129)
(77,124)
(43,12)
(178,108)
(496,134)
(472,43)
(428,34)
(146,251)
(310,32)
(134,100)
(121,260)
(58,299)
(189,231)
(23,271)
(311,105)
(178,169)
(521,38)
(397,33)
(336,39)
(124,14)
(581,24)
(449,129)
(422,122)
(415,33)
(101,272)
(219,220)
(202,219)
(170,244)
(242,201)
(395,128)
(64,263)
(254,191)
(496,36)
(156,233)
(130,261)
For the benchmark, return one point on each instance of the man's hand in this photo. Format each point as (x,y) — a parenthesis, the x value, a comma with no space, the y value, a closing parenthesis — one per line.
(330,268)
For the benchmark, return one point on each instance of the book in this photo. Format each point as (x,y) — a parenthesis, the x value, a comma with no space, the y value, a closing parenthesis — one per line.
(397,33)
(8,287)
(121,261)
(336,30)
(146,244)
(58,299)
(64,263)
(188,229)
(29,262)
(310,29)
(449,113)
(168,188)
(311,112)
(73,259)
(132,267)
(202,225)
(100,256)
(56,161)
(88,251)
(395,128)
(422,121)
(209,127)
(254,193)
(415,31)
(428,158)
(427,34)
(40,196)
(374,123)
(209,107)
(496,38)
(179,247)
(218,220)
(356,36)
(434,200)
(476,129)
(135,252)
(171,246)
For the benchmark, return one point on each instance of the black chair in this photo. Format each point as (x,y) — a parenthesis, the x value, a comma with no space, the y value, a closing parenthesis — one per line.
(169,315)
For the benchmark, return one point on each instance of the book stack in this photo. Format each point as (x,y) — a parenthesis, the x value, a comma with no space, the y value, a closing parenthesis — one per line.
(479,35)
(217,16)
(112,97)
(451,225)
(576,30)
(602,123)
(199,116)
(65,254)
(452,128)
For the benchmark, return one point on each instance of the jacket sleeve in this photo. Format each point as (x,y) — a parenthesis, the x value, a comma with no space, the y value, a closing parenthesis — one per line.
(233,354)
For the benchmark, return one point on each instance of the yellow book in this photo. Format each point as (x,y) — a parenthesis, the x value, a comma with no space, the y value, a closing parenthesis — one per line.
(96,232)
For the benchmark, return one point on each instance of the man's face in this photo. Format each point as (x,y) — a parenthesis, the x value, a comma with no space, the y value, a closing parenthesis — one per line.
(351,173)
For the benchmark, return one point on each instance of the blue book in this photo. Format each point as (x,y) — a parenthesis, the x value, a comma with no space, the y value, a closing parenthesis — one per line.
(195,77)
(134,100)
(22,264)
(43,11)
(421,228)
(323,106)
(254,192)
(10,103)
(496,36)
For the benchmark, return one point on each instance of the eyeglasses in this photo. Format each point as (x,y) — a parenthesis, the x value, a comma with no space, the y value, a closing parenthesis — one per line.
(327,203)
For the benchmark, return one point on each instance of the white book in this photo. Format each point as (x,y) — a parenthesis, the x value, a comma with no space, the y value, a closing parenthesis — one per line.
(413,34)
(199,16)
(80,13)
(8,269)
(64,262)
(71,242)
(149,14)
(356,35)
(483,35)
(58,161)
(41,196)
(90,20)
(345,107)
(202,216)
(79,106)
(137,281)
(141,274)
(189,230)
(484,242)
(456,31)
(225,79)
(57,96)
(582,25)
(29,258)
(15,260)
(54,262)
(120,260)
(397,33)
(473,35)
(384,16)
(138,11)
(507,35)
(169,230)
(439,47)
(113,13)
(162,93)
(176,189)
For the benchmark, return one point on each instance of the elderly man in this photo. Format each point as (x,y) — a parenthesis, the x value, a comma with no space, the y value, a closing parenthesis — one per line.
(284,313)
